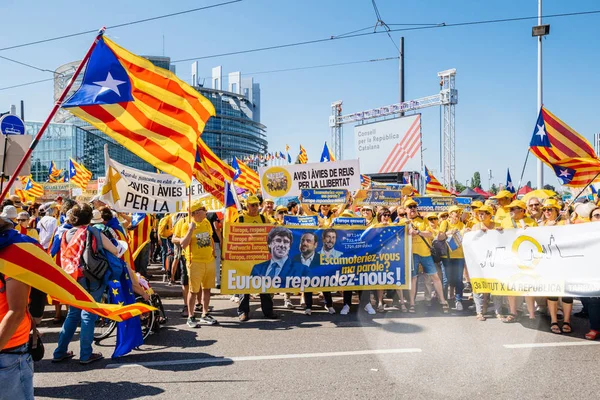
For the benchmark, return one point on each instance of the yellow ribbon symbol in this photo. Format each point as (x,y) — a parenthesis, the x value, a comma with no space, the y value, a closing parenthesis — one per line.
(111,184)
(534,260)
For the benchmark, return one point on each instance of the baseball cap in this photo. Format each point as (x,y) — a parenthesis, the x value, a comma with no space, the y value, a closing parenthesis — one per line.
(410,202)
(486,208)
(197,205)
(518,203)
(455,208)
(252,200)
(432,216)
(476,204)
(268,200)
(502,195)
(551,203)
(281,208)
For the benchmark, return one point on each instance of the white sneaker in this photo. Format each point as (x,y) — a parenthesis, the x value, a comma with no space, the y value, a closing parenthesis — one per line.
(370,310)
(345,310)
(459,306)
(331,310)
(308,311)
(288,304)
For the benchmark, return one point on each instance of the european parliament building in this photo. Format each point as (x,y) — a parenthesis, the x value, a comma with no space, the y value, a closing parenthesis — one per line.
(234,131)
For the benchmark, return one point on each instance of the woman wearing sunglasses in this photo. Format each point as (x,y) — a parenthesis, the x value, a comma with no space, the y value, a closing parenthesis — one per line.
(552,216)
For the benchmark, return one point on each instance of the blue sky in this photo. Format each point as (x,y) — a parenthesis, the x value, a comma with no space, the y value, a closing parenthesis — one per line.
(496,64)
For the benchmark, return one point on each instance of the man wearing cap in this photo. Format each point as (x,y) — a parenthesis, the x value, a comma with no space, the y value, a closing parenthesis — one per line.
(252,216)
(269,210)
(503,198)
(518,219)
(280,212)
(421,242)
(196,241)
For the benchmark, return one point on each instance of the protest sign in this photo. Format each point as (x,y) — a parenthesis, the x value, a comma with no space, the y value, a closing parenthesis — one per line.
(387,198)
(324,196)
(387,185)
(132,190)
(267,258)
(349,221)
(300,220)
(290,180)
(434,204)
(540,261)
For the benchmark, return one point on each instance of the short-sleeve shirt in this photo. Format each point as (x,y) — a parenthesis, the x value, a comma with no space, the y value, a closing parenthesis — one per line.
(509,223)
(418,242)
(459,226)
(201,243)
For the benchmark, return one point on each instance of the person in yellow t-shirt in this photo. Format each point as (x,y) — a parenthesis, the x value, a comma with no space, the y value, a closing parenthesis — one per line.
(504,197)
(434,227)
(269,210)
(518,219)
(455,263)
(198,247)
(421,235)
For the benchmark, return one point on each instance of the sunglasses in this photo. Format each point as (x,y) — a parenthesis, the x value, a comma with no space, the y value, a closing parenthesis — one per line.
(386,214)
(535,205)
(516,209)
(281,212)
(21,220)
(595,216)
(412,207)
(433,219)
(547,209)
(402,215)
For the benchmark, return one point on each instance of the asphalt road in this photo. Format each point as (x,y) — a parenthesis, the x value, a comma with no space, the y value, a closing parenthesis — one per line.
(391,355)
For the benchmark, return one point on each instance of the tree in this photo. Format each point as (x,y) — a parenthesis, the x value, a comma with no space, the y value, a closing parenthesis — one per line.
(549,187)
(476,180)
(494,189)
(459,186)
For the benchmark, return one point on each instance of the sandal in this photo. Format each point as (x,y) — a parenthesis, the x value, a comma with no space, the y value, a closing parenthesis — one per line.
(93,357)
(445,308)
(592,335)
(554,328)
(500,316)
(411,309)
(509,319)
(567,326)
(67,356)
(480,317)
(403,308)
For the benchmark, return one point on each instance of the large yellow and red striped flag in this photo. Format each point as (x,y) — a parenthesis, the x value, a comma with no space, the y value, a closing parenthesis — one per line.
(211,171)
(30,188)
(25,261)
(245,177)
(147,109)
(433,186)
(569,154)
(78,174)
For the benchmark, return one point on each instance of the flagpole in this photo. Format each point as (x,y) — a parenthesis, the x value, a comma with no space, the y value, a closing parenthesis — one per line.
(585,187)
(57,105)
(522,172)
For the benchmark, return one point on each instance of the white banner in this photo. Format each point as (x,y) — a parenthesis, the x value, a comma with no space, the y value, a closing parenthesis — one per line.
(391,145)
(541,261)
(128,189)
(289,180)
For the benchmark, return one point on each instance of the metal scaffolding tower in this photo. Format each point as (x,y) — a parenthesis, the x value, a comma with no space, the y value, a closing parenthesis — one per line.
(447,98)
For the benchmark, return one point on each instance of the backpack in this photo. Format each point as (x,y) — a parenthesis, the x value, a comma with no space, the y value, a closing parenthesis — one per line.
(94,263)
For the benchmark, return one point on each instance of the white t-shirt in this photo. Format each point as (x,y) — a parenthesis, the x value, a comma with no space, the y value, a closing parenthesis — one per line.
(46,226)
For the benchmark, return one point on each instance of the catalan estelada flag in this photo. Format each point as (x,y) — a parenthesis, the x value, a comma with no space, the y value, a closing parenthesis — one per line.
(230,203)
(244,176)
(33,188)
(147,109)
(23,259)
(569,154)
(433,186)
(302,157)
(78,174)
(327,155)
(211,171)
(365,181)
(139,233)
(53,172)
(24,196)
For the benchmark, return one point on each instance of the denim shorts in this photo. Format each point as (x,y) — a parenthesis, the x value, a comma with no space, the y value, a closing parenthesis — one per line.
(426,262)
(16,375)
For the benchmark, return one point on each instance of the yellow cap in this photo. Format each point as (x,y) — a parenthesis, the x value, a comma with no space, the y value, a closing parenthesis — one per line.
(196,205)
(252,200)
(281,208)
(518,203)
(348,214)
(476,204)
(551,203)
(502,195)
(410,202)
(267,200)
(455,208)
(432,216)
(443,214)
(487,209)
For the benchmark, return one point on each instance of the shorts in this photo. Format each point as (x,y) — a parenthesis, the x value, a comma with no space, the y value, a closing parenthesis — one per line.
(201,275)
(184,272)
(37,303)
(426,262)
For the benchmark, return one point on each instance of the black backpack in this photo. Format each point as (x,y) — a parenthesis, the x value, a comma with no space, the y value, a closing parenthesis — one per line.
(94,263)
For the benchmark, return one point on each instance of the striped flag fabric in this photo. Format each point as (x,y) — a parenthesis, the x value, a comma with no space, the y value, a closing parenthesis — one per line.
(326,155)
(303,156)
(569,154)
(26,261)
(365,181)
(33,188)
(146,109)
(53,172)
(211,171)
(139,233)
(433,186)
(245,177)
(24,196)
(230,203)
(405,149)
(78,174)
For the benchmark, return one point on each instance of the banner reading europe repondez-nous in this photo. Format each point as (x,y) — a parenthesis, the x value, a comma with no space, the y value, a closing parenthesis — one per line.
(540,261)
(271,259)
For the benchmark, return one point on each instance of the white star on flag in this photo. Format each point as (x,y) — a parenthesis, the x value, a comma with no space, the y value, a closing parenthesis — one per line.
(109,84)
(510,185)
(565,173)
(541,131)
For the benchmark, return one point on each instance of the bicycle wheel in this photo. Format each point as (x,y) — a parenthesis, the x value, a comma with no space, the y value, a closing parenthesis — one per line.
(104,327)
(161,316)
(147,319)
